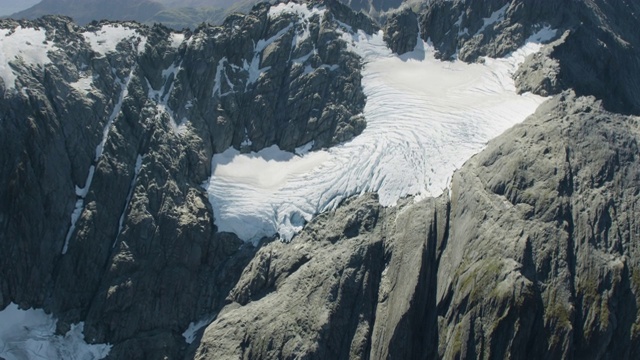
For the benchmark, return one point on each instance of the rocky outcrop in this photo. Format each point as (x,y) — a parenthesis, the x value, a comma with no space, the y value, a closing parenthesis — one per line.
(547,270)
(401,31)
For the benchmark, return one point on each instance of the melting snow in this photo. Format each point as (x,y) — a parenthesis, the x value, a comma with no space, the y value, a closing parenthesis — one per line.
(108,37)
(27,44)
(425,118)
(30,334)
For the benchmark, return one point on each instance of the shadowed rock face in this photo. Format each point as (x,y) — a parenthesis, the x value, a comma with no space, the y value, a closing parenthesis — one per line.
(533,253)
(143,258)
(598,57)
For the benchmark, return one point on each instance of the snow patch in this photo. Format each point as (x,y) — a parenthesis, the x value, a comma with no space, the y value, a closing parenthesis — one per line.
(26,44)
(246,141)
(544,35)
(458,23)
(109,36)
(189,335)
(30,334)
(161,97)
(176,39)
(495,17)
(254,67)
(425,118)
(83,85)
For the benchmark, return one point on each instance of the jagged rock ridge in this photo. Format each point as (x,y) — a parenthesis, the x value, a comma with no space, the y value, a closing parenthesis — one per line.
(106,146)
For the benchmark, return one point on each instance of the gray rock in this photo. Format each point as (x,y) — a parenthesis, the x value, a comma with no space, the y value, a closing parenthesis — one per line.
(144,258)
(401,31)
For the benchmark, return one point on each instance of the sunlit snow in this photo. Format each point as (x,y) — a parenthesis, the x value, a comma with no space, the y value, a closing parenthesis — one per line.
(425,118)
(26,44)
(108,37)
(30,334)
(176,39)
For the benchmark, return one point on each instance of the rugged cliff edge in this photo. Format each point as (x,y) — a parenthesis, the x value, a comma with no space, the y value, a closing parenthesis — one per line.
(533,253)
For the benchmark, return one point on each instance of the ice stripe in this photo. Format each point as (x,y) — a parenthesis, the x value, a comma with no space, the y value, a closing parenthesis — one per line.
(81,192)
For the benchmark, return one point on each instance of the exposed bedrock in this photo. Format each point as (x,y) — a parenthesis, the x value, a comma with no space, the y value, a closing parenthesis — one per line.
(534,256)
(103,216)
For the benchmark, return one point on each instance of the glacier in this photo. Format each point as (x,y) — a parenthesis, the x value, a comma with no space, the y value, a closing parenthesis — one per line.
(425,118)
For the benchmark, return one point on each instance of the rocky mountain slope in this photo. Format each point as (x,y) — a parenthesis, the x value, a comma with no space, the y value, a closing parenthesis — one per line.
(108,139)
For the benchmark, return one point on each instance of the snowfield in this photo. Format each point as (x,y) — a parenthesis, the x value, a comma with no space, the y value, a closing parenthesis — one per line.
(425,118)
(108,37)
(26,45)
(30,334)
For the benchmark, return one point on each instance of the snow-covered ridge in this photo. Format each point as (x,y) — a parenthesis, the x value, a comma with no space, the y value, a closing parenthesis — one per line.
(106,39)
(26,44)
(30,334)
(425,118)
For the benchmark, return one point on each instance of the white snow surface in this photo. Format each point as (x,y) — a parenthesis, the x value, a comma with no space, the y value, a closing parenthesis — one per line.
(30,334)
(27,44)
(425,118)
(176,39)
(109,36)
(190,334)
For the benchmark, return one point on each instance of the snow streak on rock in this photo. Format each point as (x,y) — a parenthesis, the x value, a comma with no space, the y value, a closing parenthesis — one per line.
(425,118)
(81,192)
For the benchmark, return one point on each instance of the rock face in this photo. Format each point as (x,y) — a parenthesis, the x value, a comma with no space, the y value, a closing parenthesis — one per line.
(594,45)
(102,212)
(103,219)
(534,255)
(401,31)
